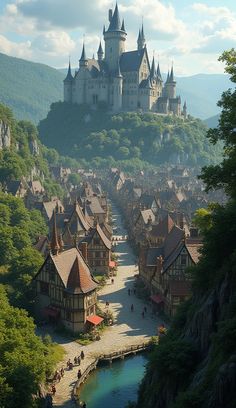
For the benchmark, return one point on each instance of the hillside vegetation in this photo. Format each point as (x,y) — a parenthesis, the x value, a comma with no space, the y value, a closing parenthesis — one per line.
(102,139)
(194,366)
(28,88)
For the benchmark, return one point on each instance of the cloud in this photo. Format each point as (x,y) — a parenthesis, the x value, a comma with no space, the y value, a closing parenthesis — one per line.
(20,50)
(54,43)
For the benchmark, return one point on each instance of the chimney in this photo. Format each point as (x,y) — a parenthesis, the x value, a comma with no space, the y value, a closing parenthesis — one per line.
(110,15)
(84,250)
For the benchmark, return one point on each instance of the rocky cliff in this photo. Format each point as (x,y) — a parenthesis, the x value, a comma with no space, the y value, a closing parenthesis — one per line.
(5,135)
(195,365)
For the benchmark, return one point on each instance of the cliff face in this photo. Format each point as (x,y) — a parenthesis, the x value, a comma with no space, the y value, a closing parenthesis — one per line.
(195,365)
(5,135)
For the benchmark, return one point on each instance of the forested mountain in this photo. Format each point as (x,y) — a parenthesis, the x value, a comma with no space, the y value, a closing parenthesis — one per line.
(102,139)
(28,88)
(194,365)
(213,121)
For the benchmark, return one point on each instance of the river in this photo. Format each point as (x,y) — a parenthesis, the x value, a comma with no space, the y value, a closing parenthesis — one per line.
(112,386)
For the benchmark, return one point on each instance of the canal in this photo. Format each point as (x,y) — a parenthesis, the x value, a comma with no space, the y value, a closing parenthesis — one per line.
(112,386)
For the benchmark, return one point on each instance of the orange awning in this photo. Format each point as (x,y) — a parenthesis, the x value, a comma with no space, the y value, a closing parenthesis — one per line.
(112,264)
(95,320)
(157,299)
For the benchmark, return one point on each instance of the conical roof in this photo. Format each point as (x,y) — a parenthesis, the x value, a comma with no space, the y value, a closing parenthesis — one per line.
(168,77)
(159,72)
(100,50)
(153,69)
(142,33)
(123,25)
(83,55)
(69,76)
(115,24)
(171,79)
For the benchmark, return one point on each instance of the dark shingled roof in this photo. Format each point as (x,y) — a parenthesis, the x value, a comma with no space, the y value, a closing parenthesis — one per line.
(115,24)
(131,61)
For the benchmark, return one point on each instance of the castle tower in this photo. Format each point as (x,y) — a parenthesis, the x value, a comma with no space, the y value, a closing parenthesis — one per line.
(114,38)
(100,52)
(185,113)
(117,89)
(68,86)
(83,62)
(159,77)
(171,85)
(153,70)
(141,39)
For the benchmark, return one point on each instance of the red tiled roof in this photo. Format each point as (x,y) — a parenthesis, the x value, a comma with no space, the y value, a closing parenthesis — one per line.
(163,228)
(95,320)
(194,251)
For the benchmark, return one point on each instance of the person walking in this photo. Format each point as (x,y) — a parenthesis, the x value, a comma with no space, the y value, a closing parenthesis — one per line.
(62,372)
(75,361)
(82,355)
(53,390)
(79,374)
(129,292)
(132,308)
(78,361)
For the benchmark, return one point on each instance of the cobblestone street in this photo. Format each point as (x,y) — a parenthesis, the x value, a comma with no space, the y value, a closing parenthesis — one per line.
(129,328)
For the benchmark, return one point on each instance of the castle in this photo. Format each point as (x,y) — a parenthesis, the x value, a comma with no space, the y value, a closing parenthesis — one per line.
(124,81)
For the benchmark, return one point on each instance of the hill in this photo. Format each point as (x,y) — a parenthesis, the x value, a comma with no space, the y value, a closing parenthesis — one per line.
(101,138)
(28,88)
(212,122)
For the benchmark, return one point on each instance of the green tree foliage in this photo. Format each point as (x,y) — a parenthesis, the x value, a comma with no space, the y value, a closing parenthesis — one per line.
(150,138)
(19,229)
(25,360)
(215,272)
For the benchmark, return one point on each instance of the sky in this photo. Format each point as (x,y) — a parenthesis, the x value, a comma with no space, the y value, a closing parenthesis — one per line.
(190,34)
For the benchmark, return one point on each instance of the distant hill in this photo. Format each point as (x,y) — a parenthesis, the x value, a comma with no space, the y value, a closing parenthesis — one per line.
(201,92)
(28,88)
(212,122)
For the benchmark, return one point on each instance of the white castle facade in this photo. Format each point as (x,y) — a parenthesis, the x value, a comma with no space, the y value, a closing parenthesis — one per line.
(124,81)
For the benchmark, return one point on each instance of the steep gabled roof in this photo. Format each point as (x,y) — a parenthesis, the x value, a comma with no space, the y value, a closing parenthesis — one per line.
(163,228)
(101,234)
(80,279)
(131,60)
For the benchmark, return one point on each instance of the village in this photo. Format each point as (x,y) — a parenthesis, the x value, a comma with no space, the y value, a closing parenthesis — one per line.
(118,260)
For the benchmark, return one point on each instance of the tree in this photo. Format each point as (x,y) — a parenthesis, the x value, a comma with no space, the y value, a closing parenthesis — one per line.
(74,179)
(224,174)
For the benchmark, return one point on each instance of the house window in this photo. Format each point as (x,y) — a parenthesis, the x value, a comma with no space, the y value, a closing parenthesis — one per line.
(68,315)
(183,260)
(44,288)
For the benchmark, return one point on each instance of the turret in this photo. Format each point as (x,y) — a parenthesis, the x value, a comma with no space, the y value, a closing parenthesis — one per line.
(153,70)
(54,245)
(185,113)
(117,89)
(141,39)
(68,85)
(100,52)
(114,38)
(83,62)
(159,77)
(170,85)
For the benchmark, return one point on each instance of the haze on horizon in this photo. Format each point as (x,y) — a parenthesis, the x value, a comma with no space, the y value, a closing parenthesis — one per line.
(192,34)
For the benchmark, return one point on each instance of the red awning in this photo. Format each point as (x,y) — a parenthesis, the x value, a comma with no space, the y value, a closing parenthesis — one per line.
(157,299)
(51,311)
(112,264)
(95,320)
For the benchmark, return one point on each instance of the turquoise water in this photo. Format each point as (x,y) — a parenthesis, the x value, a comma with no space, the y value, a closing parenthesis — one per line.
(112,386)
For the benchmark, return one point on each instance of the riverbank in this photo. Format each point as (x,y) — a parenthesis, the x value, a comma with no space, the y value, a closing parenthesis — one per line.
(129,328)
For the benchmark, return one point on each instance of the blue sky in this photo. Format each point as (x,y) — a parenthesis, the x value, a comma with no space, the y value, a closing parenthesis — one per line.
(191,33)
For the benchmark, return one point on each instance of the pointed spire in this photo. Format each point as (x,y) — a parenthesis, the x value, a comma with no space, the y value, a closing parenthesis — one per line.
(55,247)
(171,78)
(123,25)
(153,69)
(69,76)
(115,24)
(83,55)
(142,33)
(168,77)
(141,39)
(159,72)
(185,105)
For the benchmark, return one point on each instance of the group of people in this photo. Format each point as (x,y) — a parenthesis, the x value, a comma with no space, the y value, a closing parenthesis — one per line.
(60,373)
